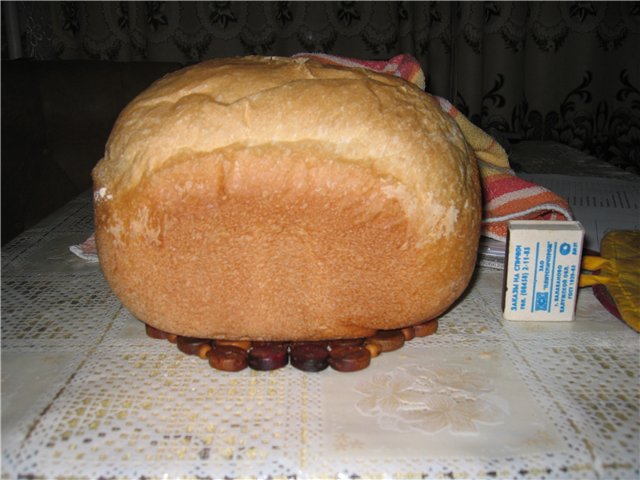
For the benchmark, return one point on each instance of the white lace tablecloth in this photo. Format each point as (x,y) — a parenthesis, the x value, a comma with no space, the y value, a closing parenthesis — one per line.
(85,394)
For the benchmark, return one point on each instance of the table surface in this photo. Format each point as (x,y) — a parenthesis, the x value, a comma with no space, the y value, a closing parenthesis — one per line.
(532,156)
(86,394)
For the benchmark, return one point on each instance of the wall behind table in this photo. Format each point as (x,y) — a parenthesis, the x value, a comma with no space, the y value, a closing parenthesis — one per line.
(56,117)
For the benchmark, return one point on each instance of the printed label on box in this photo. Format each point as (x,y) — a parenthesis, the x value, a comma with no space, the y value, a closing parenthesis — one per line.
(543,266)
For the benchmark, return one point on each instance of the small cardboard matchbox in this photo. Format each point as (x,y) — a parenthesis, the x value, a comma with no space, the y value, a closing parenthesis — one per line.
(542,270)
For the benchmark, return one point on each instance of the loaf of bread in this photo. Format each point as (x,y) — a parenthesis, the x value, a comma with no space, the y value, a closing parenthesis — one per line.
(272,198)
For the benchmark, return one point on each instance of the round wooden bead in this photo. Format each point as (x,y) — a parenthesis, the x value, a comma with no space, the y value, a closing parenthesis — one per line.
(426,329)
(268,357)
(349,359)
(155,333)
(227,358)
(173,338)
(269,343)
(389,339)
(409,333)
(190,345)
(243,344)
(309,357)
(373,346)
(203,350)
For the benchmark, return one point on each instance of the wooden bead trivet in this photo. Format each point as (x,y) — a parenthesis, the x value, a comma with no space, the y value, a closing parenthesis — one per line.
(347,355)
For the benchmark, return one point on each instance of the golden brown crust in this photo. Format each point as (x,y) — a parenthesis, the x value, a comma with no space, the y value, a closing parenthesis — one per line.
(280,199)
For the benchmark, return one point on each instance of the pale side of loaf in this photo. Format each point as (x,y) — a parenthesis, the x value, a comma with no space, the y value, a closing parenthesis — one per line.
(279,199)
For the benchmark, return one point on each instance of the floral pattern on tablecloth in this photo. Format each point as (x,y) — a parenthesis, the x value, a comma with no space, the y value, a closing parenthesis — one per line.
(430,400)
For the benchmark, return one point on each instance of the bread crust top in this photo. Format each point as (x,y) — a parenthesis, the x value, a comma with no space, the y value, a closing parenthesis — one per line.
(373,120)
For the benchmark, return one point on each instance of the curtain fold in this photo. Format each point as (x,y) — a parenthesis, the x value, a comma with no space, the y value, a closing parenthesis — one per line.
(563,71)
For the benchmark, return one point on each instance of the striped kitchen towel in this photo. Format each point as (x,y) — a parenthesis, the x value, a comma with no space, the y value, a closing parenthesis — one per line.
(404,66)
(506,196)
